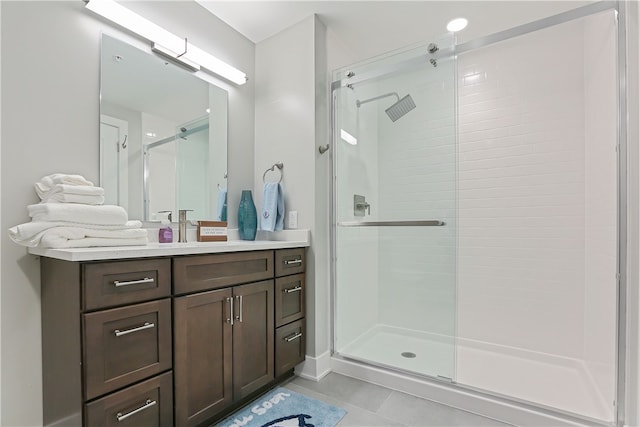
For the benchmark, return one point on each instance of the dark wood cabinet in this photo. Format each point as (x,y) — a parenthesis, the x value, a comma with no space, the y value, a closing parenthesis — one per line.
(228,333)
(149,403)
(289,309)
(203,356)
(106,342)
(125,344)
(179,340)
(253,338)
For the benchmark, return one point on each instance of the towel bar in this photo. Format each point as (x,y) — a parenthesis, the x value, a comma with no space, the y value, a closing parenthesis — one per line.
(273,168)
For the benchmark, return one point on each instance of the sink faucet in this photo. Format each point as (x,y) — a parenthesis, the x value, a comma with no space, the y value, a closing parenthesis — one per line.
(182,224)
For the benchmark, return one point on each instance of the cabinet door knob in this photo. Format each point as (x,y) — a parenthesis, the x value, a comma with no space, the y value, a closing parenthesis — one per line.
(118,283)
(148,404)
(231,304)
(147,325)
(293,337)
(239,315)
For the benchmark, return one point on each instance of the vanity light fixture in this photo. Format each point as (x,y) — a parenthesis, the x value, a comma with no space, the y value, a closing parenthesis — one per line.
(164,42)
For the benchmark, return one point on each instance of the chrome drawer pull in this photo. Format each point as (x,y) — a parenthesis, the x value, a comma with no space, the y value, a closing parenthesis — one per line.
(294,337)
(231,304)
(292,261)
(239,316)
(118,283)
(148,404)
(147,325)
(290,290)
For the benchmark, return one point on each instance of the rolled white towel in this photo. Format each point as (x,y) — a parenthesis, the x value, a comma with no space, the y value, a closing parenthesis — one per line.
(84,214)
(47,182)
(30,233)
(77,237)
(84,190)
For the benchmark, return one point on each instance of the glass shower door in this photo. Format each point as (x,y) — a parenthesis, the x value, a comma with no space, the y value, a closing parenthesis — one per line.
(193,169)
(395,212)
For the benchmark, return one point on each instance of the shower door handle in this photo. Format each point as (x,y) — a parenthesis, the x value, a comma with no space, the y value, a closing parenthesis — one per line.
(409,223)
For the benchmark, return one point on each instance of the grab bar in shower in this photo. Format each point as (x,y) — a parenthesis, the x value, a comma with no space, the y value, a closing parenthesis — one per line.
(421,223)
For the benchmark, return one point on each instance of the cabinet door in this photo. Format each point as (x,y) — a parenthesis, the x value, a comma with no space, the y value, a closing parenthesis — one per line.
(124,345)
(146,404)
(289,299)
(290,346)
(202,356)
(252,337)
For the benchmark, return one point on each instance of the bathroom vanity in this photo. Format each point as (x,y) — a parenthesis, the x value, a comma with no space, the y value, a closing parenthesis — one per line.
(178,334)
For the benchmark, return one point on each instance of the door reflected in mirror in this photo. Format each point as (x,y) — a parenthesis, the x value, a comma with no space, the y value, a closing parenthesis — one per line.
(163,137)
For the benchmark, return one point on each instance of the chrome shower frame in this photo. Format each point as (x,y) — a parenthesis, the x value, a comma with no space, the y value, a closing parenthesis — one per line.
(622,366)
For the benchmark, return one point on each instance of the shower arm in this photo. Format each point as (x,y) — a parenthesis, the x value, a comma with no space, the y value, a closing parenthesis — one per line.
(375,98)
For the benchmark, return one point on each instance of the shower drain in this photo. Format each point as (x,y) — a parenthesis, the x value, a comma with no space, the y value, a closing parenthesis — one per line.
(408,354)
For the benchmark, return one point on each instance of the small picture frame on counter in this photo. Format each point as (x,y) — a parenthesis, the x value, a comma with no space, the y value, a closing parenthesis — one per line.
(212,231)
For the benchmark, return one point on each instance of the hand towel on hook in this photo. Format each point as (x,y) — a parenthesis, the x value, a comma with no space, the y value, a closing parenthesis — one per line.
(272,215)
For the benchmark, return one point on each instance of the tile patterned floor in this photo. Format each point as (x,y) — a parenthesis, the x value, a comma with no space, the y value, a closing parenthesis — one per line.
(371,405)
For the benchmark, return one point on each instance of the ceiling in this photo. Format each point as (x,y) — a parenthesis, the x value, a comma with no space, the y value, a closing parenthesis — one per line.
(369,28)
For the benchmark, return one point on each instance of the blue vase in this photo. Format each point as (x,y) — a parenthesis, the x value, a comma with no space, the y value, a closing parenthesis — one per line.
(247,217)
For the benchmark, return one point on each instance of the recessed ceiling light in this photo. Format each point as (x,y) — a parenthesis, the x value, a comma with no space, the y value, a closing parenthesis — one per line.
(457,24)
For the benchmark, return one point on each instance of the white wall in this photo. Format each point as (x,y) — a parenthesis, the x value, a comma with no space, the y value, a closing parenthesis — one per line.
(287,119)
(50,85)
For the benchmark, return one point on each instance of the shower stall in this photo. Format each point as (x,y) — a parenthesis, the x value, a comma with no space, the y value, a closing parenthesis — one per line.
(476,214)
(174,166)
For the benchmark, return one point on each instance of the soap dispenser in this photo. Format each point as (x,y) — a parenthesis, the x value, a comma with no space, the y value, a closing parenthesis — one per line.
(165,234)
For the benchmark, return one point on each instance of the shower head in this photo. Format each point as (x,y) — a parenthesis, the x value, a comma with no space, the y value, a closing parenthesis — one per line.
(400,108)
(397,110)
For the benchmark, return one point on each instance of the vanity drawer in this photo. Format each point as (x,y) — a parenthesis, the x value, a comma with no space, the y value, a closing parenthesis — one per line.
(290,347)
(199,273)
(149,403)
(289,304)
(109,284)
(124,345)
(289,261)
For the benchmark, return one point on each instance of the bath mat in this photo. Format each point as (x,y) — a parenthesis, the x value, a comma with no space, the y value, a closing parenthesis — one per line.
(282,407)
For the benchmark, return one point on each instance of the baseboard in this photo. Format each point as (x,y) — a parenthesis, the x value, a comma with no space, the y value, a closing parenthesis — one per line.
(503,410)
(315,368)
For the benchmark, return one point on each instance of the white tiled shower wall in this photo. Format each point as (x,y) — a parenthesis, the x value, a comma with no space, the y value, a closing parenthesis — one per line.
(537,193)
(536,205)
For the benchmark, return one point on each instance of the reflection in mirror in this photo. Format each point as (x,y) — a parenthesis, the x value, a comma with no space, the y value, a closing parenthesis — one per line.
(163,137)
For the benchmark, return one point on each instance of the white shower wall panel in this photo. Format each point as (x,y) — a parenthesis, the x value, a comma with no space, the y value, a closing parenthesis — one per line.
(537,205)
(521,193)
(600,202)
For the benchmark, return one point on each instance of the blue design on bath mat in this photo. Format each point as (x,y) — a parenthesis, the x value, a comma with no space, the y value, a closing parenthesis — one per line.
(284,408)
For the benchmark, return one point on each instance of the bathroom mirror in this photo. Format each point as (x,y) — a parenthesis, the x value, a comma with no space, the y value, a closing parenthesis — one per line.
(163,136)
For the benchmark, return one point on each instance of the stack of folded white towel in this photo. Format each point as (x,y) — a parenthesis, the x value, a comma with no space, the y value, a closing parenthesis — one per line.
(71,215)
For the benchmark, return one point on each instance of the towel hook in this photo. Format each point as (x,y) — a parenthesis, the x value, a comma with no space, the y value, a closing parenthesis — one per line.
(273,168)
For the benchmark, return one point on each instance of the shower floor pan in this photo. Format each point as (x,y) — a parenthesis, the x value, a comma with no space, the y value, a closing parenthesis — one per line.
(553,382)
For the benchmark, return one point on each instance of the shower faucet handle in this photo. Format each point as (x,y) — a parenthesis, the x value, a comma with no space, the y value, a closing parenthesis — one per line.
(360,205)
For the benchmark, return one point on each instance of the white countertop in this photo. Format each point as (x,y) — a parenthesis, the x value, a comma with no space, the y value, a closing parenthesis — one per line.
(279,240)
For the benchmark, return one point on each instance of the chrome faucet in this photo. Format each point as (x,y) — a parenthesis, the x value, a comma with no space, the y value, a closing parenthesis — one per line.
(360,205)
(182,224)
